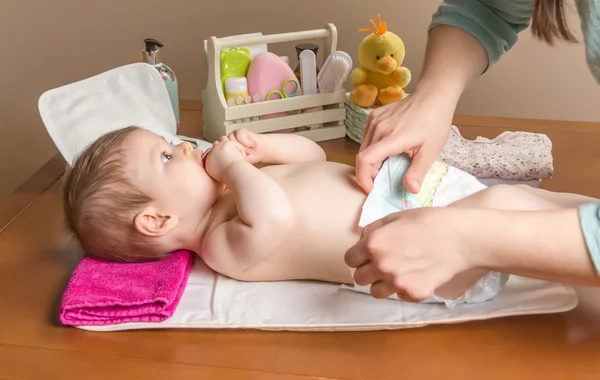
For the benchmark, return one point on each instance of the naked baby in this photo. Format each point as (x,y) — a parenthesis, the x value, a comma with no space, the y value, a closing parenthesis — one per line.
(132,197)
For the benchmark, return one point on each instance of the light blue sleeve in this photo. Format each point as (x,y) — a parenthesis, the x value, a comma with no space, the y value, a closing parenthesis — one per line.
(496,24)
(589,218)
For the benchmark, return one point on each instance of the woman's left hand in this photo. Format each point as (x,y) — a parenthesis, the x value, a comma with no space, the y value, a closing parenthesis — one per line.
(412,253)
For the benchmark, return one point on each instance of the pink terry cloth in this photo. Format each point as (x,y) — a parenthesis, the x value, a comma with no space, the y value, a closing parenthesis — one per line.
(511,155)
(106,293)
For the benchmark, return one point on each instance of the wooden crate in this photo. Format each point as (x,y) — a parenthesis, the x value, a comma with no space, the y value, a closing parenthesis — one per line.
(221,119)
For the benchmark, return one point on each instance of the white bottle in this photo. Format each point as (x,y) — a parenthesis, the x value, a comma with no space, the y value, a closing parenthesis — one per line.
(236,91)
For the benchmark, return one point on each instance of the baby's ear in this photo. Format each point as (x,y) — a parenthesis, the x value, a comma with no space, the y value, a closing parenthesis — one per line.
(150,222)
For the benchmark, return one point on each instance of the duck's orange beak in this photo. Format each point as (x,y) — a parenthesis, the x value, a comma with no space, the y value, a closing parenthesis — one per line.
(386,65)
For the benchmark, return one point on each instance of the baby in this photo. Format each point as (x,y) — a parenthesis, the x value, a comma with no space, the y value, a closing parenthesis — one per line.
(132,197)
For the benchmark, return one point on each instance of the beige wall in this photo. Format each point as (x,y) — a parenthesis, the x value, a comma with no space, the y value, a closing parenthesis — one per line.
(45,48)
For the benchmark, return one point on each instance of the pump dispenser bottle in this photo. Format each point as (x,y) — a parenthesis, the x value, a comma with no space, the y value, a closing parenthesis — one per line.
(150,55)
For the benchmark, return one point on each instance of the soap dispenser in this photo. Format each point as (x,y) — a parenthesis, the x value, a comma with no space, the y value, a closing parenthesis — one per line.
(150,55)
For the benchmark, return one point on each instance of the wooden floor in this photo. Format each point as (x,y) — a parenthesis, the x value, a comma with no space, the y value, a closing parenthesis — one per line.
(37,258)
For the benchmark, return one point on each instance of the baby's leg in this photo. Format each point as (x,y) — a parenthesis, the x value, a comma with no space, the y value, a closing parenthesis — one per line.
(504,197)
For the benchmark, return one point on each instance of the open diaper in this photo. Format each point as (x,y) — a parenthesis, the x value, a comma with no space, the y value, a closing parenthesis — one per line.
(78,113)
(443,184)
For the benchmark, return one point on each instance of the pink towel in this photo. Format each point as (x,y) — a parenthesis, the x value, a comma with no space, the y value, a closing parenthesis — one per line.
(104,293)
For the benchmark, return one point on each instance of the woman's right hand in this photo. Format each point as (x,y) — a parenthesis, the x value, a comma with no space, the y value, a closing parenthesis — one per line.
(418,125)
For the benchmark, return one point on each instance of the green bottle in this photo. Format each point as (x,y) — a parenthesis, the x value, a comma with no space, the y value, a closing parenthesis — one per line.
(150,55)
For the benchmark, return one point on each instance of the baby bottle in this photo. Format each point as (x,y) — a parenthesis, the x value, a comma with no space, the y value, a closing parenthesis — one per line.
(236,91)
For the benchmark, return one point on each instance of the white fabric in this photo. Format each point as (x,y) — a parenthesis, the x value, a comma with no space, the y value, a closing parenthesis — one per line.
(77,113)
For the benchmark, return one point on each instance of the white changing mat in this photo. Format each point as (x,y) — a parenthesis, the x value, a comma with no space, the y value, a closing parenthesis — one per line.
(212,301)
(78,113)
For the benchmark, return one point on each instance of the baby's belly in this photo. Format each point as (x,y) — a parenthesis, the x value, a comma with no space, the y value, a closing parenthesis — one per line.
(327,208)
(313,255)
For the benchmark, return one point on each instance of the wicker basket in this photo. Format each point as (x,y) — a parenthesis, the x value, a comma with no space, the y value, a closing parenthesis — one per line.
(356,119)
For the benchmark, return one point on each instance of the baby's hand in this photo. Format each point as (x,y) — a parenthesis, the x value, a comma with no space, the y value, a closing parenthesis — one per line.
(221,156)
(252,143)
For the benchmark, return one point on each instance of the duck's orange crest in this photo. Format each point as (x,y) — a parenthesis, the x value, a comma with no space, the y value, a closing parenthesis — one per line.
(380,28)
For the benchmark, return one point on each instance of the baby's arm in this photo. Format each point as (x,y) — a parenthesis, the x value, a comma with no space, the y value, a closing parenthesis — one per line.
(265,217)
(286,148)
(276,148)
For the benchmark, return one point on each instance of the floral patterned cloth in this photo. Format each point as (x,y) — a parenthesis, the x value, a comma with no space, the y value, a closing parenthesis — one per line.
(511,155)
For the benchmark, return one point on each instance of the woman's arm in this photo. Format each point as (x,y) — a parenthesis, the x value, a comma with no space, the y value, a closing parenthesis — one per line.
(453,59)
(418,251)
(495,24)
(467,37)
(549,245)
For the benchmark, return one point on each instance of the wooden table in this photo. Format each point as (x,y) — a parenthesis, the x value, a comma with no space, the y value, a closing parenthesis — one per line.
(37,259)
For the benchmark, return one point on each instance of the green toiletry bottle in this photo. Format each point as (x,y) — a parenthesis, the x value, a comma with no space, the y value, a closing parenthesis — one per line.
(150,55)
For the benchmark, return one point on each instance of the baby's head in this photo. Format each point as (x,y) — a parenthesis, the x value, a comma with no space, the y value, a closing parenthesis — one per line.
(130,196)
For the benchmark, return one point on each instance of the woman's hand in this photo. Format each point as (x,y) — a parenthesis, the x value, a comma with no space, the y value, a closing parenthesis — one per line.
(418,125)
(412,253)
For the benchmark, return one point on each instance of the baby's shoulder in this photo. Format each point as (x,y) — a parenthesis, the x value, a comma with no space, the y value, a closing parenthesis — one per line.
(222,211)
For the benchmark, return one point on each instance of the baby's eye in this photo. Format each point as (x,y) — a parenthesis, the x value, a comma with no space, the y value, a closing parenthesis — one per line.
(166,157)
(378,58)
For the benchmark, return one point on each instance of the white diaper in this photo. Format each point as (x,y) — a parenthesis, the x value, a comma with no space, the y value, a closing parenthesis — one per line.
(442,185)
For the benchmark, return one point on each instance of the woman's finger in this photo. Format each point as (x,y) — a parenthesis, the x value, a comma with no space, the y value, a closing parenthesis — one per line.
(404,296)
(377,224)
(382,131)
(419,166)
(356,255)
(369,130)
(367,274)
(371,158)
(381,289)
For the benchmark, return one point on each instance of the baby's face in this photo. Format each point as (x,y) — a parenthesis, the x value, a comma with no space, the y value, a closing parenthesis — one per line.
(173,175)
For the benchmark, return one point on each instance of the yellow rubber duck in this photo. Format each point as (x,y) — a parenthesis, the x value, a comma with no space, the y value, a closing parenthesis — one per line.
(381,79)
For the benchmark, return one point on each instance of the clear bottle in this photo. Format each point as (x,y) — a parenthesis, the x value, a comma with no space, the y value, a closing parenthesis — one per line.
(150,55)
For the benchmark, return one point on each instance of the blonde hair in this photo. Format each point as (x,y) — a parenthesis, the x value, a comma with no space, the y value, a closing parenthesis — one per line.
(548,22)
(101,199)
